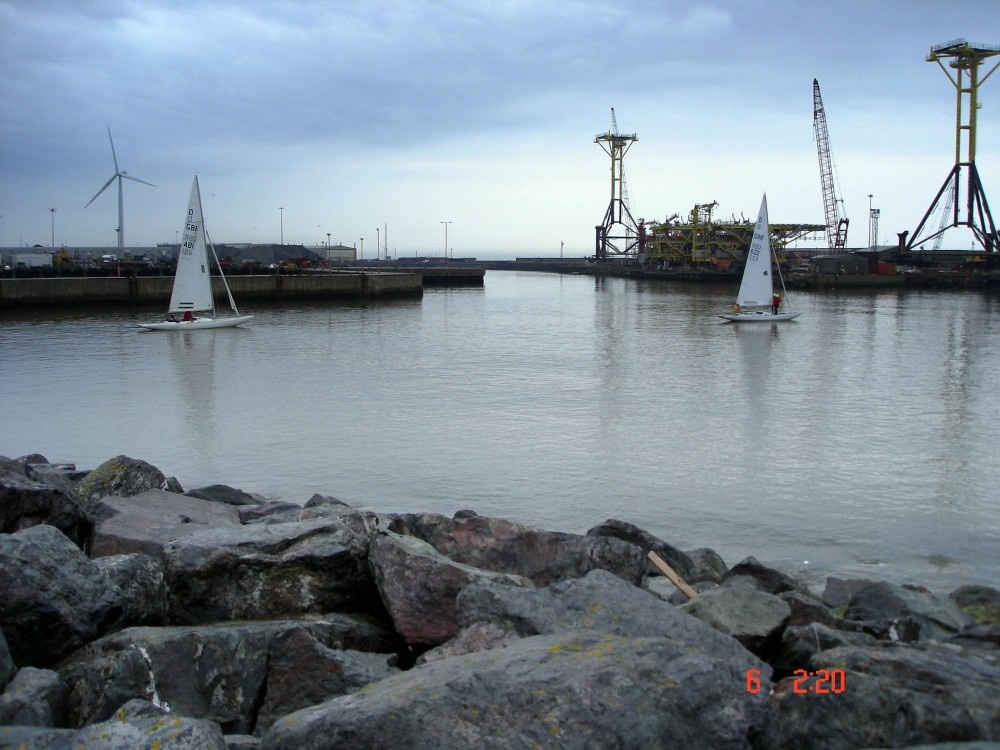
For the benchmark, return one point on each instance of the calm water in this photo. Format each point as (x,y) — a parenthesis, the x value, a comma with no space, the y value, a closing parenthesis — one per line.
(861,438)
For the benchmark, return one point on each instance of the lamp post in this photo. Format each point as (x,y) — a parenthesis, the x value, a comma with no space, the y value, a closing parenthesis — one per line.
(327,245)
(378,244)
(362,248)
(446,223)
(52,211)
(281,219)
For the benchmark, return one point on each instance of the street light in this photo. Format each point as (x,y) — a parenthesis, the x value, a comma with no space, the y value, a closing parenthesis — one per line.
(53,212)
(378,244)
(446,223)
(362,248)
(281,218)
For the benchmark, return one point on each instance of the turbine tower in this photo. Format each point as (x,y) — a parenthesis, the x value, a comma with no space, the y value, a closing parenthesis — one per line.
(965,61)
(118,175)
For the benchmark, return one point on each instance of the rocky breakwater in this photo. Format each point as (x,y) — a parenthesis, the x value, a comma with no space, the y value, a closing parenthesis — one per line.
(134,614)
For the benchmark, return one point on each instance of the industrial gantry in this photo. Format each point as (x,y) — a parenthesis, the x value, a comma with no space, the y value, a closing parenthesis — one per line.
(965,61)
(616,145)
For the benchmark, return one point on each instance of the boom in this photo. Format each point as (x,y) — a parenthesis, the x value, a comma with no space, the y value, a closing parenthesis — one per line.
(836,226)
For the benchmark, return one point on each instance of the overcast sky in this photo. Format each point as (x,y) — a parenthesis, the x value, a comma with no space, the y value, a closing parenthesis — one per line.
(307,118)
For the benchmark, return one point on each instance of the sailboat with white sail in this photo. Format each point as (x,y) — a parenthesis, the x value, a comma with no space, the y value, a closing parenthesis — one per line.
(192,292)
(756,301)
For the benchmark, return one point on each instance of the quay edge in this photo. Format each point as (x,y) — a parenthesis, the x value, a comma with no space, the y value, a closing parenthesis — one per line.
(155,290)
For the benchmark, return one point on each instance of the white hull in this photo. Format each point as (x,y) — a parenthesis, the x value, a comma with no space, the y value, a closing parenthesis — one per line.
(193,325)
(759,317)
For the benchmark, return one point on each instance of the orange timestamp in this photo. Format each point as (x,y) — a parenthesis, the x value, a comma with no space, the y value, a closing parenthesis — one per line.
(826,681)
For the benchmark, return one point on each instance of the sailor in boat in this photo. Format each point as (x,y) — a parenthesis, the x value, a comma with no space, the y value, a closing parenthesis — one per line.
(736,308)
(775,302)
(171,318)
(188,317)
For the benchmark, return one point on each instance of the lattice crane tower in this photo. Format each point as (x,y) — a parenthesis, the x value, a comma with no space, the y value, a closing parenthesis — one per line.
(836,225)
(616,145)
(965,60)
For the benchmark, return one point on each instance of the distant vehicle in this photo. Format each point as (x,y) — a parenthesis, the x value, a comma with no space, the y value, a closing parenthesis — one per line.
(802,268)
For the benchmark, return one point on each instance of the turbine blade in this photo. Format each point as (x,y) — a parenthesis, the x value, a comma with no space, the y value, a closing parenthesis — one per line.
(136,179)
(101,190)
(113,156)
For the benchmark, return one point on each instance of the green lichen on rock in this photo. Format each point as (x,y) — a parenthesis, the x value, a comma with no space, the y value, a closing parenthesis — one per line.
(984,614)
(121,476)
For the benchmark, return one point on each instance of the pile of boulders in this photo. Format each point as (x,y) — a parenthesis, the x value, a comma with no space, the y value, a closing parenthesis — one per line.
(134,614)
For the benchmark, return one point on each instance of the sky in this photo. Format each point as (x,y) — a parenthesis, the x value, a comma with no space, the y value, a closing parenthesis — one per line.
(307,120)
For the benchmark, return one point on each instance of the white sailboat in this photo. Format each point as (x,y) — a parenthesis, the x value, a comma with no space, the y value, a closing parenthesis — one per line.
(192,291)
(755,300)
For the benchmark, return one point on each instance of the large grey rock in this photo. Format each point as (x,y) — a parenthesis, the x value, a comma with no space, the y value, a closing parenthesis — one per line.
(121,476)
(268,569)
(141,581)
(682,564)
(754,618)
(601,602)
(504,546)
(7,666)
(578,689)
(981,603)
(302,671)
(479,636)
(838,591)
(806,609)
(148,521)
(35,697)
(933,616)
(25,502)
(419,586)
(763,578)
(223,493)
(138,725)
(52,598)
(215,672)
(893,696)
(800,643)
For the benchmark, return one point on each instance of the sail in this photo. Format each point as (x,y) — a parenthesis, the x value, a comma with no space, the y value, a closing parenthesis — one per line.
(193,279)
(756,287)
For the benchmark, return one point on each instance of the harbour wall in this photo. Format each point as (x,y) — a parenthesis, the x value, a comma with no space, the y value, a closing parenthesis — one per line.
(155,290)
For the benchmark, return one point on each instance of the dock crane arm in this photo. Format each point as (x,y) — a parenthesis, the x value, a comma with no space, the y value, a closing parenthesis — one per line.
(836,225)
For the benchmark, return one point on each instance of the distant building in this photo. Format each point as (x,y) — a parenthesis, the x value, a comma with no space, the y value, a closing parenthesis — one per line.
(335,253)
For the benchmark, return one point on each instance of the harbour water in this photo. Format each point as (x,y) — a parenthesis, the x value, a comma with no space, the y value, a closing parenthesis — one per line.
(859,440)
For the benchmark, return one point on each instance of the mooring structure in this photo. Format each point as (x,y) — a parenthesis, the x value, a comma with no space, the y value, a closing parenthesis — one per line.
(970,210)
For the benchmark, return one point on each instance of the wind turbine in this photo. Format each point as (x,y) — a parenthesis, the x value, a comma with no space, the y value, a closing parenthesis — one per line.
(119,174)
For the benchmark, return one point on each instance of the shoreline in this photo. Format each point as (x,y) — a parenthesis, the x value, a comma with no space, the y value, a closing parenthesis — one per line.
(124,598)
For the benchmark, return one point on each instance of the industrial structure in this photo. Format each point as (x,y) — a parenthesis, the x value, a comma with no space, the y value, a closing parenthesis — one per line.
(699,240)
(974,211)
(623,241)
(836,224)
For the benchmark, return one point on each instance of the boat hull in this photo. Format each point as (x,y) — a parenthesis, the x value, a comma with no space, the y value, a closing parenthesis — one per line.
(759,317)
(194,325)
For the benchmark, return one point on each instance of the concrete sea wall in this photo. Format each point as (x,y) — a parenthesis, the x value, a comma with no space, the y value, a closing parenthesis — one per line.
(155,290)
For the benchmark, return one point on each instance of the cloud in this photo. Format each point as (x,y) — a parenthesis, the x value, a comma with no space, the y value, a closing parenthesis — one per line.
(354,112)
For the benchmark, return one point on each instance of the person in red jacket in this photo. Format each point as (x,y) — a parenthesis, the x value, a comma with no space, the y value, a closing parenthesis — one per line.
(775,302)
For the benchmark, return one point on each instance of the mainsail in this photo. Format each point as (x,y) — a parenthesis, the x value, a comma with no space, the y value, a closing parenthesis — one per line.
(193,280)
(756,287)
